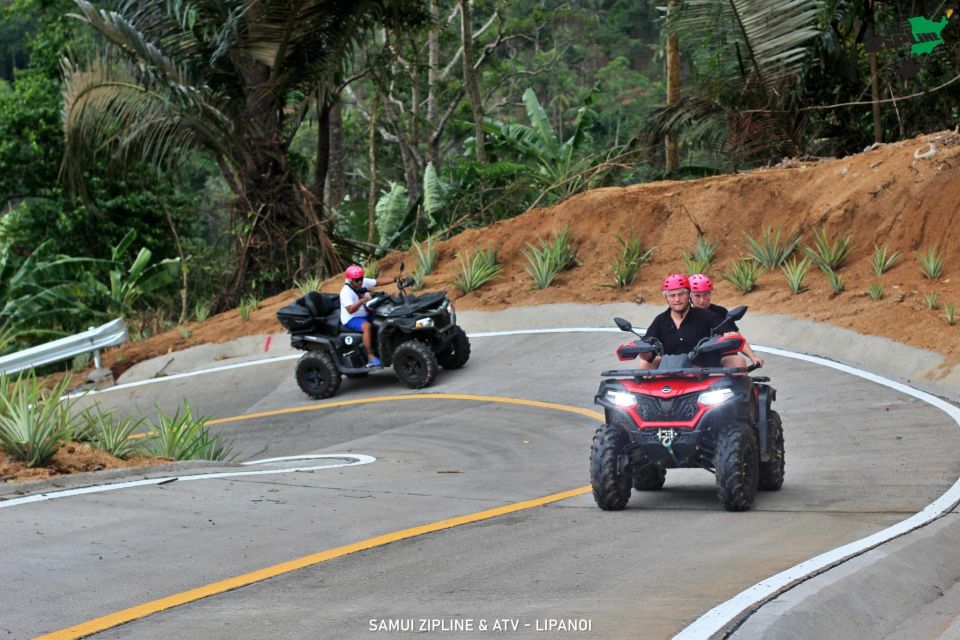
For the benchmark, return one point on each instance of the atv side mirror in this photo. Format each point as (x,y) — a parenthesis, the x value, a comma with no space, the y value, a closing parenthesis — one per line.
(732,316)
(623,324)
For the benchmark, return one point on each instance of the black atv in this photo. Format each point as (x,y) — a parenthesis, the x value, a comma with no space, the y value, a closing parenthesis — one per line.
(414,334)
(686,414)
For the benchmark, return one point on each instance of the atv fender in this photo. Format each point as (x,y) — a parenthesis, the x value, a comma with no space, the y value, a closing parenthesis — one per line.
(765,397)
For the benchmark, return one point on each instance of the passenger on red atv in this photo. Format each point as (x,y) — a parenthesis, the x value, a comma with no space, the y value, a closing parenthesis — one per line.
(681,410)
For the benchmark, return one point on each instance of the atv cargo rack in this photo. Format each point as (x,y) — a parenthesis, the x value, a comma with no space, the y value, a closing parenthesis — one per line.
(691,372)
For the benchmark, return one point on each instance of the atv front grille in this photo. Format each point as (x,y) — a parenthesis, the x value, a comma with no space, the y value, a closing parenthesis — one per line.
(679,409)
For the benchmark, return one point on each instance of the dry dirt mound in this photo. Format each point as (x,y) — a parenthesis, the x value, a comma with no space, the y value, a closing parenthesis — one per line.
(72,457)
(899,194)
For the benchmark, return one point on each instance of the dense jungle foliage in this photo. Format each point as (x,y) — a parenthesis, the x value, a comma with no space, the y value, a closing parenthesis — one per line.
(165,156)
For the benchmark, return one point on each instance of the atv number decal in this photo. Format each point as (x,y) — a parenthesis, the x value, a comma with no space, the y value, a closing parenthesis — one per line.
(348,340)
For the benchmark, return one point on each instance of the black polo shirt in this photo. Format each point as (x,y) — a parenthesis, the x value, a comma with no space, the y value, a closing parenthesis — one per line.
(696,325)
(722,313)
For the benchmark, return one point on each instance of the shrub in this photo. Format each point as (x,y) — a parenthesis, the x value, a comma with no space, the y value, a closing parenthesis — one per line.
(426,255)
(795,272)
(81,361)
(371,269)
(876,291)
(883,260)
(769,250)
(247,306)
(185,332)
(103,431)
(826,254)
(308,284)
(931,263)
(698,260)
(201,311)
(835,280)
(34,421)
(632,257)
(549,259)
(476,270)
(743,274)
(183,437)
(931,300)
(418,277)
(950,312)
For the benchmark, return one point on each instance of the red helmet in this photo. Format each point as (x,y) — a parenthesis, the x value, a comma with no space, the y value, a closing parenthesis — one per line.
(700,283)
(354,271)
(675,281)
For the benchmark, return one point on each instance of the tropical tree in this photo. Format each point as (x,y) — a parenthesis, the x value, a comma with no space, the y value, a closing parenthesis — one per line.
(232,78)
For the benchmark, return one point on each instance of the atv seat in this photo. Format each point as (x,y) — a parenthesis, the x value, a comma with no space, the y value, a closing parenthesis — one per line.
(325,310)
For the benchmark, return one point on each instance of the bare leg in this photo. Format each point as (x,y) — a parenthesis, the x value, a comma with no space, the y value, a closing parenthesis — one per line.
(368,339)
(734,361)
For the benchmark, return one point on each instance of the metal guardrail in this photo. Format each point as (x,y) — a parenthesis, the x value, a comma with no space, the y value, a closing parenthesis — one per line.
(96,338)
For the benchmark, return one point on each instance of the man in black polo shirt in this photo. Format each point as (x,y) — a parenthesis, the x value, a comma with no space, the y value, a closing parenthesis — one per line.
(682,325)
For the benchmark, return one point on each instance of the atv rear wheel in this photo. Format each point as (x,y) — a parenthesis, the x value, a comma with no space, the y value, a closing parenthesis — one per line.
(611,491)
(317,375)
(737,467)
(771,472)
(650,479)
(415,364)
(457,352)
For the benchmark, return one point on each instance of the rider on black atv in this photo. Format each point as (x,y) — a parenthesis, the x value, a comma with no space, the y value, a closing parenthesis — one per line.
(683,325)
(353,311)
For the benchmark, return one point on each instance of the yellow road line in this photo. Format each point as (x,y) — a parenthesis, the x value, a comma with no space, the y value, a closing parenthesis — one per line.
(140,611)
(154,606)
(415,396)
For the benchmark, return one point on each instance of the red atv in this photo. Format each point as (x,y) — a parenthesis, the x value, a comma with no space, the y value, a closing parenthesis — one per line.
(685,415)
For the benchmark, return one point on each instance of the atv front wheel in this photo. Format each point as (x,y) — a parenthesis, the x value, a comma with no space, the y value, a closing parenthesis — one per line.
(650,479)
(317,375)
(771,472)
(737,467)
(611,491)
(457,352)
(415,364)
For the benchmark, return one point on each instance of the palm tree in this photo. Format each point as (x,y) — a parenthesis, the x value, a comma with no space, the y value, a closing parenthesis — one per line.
(748,57)
(232,78)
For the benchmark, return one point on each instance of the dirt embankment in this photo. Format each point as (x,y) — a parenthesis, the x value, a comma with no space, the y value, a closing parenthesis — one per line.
(884,195)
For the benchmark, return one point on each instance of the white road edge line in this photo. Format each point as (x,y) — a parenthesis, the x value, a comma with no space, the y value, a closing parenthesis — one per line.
(720,616)
(358,459)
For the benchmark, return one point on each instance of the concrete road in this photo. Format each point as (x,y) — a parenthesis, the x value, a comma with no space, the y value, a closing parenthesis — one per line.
(859,458)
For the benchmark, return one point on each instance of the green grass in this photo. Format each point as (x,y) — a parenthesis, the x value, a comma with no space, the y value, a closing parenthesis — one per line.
(632,257)
(308,284)
(795,272)
(426,253)
(185,332)
(876,291)
(418,277)
(829,255)
(103,431)
(698,260)
(81,361)
(835,280)
(247,306)
(545,262)
(931,263)
(183,437)
(476,270)
(370,268)
(33,420)
(883,260)
(950,311)
(932,300)
(743,274)
(769,250)
(201,311)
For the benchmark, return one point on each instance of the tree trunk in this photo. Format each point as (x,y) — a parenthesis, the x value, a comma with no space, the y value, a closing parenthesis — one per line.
(336,176)
(470,77)
(372,161)
(673,88)
(433,78)
(874,84)
(322,165)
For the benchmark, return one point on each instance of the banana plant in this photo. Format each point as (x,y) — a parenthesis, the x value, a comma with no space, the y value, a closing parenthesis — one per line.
(395,215)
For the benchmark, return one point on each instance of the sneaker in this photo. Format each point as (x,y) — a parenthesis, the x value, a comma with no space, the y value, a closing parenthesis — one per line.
(375,362)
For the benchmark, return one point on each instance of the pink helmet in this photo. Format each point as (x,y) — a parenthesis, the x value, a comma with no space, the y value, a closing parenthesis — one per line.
(354,271)
(700,283)
(675,281)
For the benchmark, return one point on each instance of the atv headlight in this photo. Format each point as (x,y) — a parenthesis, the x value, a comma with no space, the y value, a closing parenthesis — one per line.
(424,323)
(711,398)
(620,398)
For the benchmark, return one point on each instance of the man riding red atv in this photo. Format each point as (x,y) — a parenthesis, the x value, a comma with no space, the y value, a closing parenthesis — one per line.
(686,409)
